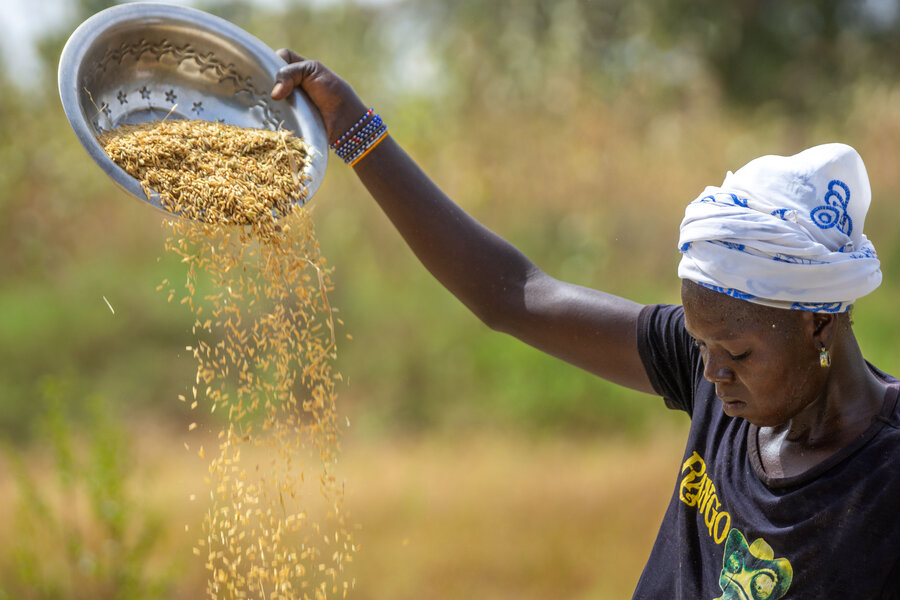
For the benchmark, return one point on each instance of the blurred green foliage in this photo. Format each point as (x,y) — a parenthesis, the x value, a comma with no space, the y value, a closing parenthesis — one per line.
(77,530)
(802,56)
(578,130)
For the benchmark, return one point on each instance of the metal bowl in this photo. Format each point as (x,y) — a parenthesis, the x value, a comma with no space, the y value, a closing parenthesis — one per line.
(144,61)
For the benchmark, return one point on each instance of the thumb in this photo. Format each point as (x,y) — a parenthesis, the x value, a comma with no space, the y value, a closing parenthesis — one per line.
(293,74)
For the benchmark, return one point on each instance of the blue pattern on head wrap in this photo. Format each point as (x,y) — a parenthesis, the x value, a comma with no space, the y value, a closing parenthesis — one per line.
(727,291)
(830,307)
(834,212)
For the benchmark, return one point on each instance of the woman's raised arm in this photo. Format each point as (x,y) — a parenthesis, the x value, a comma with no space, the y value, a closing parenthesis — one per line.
(587,328)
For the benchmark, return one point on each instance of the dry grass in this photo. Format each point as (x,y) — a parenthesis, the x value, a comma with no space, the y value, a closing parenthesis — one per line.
(492,516)
(501,517)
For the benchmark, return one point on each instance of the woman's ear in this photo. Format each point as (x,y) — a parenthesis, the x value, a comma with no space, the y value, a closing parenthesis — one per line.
(823,327)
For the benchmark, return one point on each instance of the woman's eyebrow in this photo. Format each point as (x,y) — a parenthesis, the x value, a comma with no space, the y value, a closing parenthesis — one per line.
(719,336)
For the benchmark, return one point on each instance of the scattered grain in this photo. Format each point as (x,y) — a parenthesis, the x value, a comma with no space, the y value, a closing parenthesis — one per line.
(254,270)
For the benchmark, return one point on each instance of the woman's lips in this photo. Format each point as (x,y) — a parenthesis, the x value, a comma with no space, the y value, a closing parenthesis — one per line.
(728,399)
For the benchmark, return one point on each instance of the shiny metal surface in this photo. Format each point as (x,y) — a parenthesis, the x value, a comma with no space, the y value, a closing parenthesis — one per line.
(142,61)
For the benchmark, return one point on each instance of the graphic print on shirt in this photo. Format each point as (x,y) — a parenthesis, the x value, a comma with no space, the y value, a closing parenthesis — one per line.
(749,571)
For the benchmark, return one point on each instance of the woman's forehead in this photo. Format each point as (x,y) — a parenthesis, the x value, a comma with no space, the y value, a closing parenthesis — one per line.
(723,317)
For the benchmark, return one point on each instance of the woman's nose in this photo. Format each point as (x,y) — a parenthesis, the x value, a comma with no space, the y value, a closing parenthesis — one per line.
(715,371)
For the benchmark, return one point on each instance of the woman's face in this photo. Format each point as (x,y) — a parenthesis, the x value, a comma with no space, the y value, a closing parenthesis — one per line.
(763,361)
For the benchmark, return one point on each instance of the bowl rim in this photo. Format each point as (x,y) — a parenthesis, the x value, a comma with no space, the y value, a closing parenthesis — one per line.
(82,40)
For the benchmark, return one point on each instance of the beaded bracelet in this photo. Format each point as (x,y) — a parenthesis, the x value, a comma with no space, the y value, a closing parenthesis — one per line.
(370,146)
(360,139)
(363,141)
(350,131)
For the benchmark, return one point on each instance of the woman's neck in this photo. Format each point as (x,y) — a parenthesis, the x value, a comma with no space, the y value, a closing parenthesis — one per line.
(852,396)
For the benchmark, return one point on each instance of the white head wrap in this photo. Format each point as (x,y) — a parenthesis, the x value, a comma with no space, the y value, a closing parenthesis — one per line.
(785,231)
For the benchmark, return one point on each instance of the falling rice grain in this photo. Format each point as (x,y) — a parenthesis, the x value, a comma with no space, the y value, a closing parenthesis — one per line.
(243,240)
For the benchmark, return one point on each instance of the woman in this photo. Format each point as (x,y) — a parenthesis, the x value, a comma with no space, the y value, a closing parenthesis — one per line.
(790,485)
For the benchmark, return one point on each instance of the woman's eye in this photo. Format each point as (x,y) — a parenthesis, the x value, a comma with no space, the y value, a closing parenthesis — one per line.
(736,357)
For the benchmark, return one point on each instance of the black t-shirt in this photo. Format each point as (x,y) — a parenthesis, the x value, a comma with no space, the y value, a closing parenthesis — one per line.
(732,532)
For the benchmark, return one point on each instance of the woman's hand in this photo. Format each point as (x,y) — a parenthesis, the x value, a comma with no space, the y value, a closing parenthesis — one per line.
(338,104)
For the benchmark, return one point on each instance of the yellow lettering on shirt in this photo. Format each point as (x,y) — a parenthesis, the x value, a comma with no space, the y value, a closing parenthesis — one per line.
(698,490)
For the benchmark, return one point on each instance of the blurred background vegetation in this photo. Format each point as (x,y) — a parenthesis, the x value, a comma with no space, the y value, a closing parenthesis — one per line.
(576,129)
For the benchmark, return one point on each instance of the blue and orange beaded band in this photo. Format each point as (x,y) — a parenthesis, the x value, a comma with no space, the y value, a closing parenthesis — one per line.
(360,139)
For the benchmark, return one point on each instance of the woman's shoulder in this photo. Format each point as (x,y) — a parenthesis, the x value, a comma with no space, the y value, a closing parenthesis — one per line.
(884,376)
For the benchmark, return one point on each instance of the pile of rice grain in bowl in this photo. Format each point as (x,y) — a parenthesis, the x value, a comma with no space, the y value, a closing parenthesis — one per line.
(265,348)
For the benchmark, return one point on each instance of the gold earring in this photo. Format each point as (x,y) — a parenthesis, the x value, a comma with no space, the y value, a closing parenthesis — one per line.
(824,358)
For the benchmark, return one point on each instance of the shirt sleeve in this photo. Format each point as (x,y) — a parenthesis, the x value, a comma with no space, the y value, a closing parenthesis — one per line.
(671,359)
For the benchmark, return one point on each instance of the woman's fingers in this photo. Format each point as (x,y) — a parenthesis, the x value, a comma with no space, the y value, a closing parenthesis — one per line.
(289,56)
(292,74)
(289,77)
